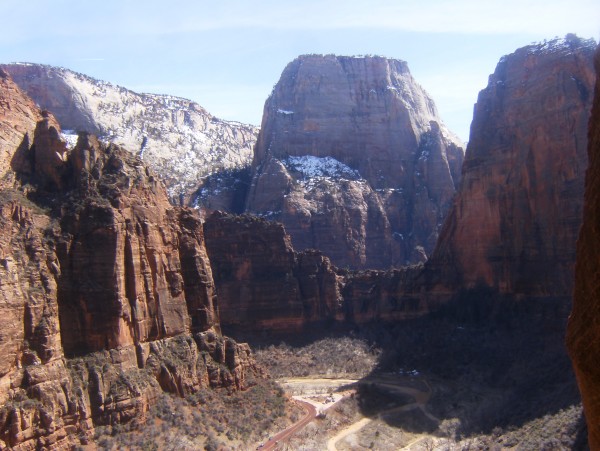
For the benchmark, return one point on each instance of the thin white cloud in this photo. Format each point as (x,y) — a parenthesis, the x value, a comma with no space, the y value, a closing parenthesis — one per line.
(152,17)
(432,16)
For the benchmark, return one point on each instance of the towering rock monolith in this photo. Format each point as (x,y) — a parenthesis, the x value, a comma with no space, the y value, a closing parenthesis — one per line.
(354,160)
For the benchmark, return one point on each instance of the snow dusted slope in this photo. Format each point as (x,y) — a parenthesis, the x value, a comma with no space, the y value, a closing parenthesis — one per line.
(177,137)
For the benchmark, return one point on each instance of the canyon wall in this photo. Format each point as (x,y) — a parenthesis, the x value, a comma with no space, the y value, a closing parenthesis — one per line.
(106,292)
(264,285)
(354,160)
(511,229)
(515,219)
(583,332)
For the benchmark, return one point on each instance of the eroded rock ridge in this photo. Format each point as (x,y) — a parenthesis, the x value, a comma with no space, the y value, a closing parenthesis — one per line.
(583,333)
(515,219)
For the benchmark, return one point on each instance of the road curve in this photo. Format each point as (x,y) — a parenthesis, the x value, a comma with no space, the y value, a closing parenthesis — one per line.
(311,413)
(421,399)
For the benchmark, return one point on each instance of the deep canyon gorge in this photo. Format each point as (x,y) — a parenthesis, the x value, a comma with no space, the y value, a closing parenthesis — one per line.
(139,234)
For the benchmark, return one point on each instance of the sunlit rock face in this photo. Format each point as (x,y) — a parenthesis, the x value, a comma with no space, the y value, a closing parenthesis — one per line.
(106,293)
(517,213)
(583,332)
(353,159)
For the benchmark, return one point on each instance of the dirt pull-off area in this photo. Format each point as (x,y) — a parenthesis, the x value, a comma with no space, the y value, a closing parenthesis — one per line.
(321,397)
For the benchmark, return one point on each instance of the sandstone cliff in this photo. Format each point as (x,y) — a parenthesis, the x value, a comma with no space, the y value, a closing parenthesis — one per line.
(176,137)
(583,332)
(106,292)
(18,118)
(516,216)
(353,159)
(264,285)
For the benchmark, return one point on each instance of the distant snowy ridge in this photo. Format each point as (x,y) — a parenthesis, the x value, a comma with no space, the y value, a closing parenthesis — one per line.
(175,136)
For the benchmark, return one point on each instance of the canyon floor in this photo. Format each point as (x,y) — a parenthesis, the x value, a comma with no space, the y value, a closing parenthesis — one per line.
(450,381)
(446,382)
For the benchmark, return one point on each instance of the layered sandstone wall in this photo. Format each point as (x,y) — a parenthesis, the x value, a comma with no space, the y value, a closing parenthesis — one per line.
(583,332)
(515,219)
(263,285)
(106,292)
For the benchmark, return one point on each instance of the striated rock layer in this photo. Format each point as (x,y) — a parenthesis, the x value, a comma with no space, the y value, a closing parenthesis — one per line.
(515,219)
(264,285)
(178,138)
(106,292)
(353,159)
(583,331)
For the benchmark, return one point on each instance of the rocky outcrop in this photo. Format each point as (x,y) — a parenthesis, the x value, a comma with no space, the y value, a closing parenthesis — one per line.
(516,216)
(255,268)
(176,137)
(133,269)
(106,292)
(18,119)
(264,285)
(583,332)
(353,159)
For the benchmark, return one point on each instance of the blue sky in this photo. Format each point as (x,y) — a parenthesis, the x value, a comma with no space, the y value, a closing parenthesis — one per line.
(228,54)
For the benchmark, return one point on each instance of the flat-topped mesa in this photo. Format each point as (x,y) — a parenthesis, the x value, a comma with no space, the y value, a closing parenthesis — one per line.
(354,160)
(176,137)
(516,215)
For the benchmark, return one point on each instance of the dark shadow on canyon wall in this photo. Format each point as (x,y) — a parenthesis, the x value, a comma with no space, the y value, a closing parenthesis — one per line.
(495,364)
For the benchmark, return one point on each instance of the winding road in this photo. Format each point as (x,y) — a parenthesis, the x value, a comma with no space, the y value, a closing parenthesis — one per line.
(311,413)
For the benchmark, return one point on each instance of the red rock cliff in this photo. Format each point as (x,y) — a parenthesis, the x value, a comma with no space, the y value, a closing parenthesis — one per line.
(264,285)
(96,266)
(583,332)
(353,159)
(517,213)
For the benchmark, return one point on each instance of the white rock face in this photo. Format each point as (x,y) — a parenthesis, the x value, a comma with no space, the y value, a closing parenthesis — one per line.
(177,137)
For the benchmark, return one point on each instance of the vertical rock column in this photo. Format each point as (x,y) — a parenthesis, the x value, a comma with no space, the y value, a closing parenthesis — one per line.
(583,331)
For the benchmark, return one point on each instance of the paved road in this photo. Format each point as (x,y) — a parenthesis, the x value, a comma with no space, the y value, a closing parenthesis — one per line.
(311,413)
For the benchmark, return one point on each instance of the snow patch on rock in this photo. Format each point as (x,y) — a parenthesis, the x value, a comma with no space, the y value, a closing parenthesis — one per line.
(310,166)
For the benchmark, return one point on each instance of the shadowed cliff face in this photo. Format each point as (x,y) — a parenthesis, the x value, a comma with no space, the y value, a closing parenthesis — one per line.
(517,212)
(96,265)
(264,285)
(353,159)
(583,332)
